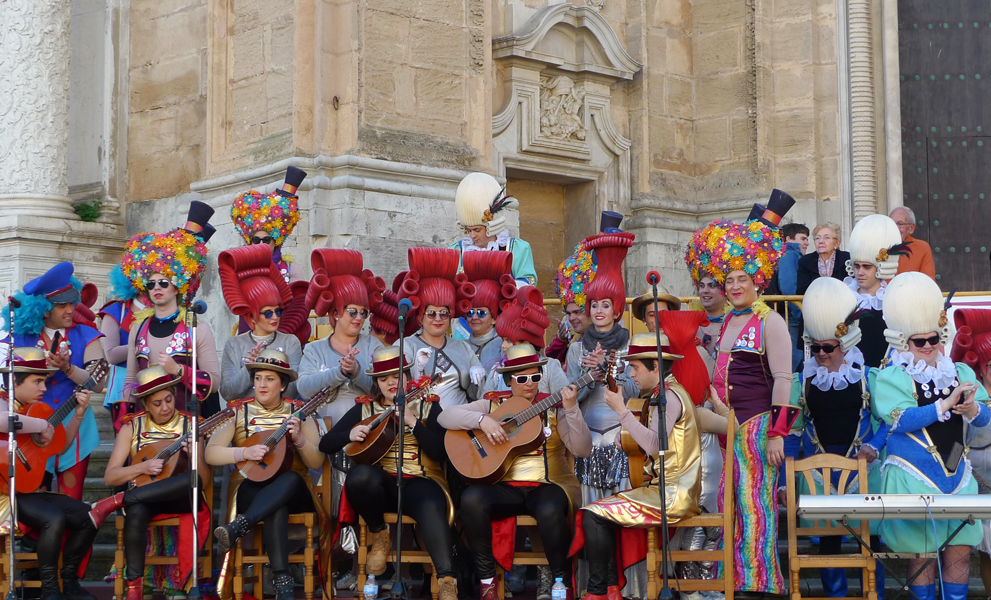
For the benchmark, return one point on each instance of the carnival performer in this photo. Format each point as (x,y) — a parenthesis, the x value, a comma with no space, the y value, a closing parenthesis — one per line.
(875,249)
(160,498)
(833,394)
(44,320)
(642,307)
(752,376)
(927,400)
(539,483)
(256,292)
(116,320)
(712,299)
(439,293)
(573,276)
(272,501)
(384,318)
(371,488)
(269,220)
(53,516)
(168,268)
(495,288)
(480,202)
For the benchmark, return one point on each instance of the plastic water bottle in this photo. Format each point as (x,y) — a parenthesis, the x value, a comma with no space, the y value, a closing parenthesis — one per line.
(371,588)
(559,592)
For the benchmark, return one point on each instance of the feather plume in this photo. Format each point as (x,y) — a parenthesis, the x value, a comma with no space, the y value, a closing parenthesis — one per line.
(901,249)
(500,201)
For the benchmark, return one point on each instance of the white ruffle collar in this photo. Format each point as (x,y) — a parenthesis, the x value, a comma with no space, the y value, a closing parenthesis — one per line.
(850,372)
(866,301)
(942,375)
(501,241)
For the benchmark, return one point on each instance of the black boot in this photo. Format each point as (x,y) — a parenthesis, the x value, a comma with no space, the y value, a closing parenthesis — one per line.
(71,590)
(49,583)
(228,535)
(284,583)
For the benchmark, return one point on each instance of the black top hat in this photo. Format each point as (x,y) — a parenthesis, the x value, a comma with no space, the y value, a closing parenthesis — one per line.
(777,207)
(197,221)
(609,222)
(294,177)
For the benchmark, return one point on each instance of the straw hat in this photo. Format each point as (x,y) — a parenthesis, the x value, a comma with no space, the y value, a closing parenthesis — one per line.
(272,360)
(644,345)
(385,361)
(520,357)
(153,379)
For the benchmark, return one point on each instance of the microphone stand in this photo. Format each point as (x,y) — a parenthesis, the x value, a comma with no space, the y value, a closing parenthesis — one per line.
(12,425)
(194,475)
(661,402)
(399,590)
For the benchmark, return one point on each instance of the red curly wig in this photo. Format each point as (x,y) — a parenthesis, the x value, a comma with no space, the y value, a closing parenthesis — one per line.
(491,274)
(250,280)
(681,326)
(339,280)
(433,279)
(525,319)
(610,251)
(972,343)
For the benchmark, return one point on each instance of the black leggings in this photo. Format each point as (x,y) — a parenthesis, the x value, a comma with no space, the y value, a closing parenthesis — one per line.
(372,492)
(141,505)
(547,503)
(52,515)
(600,550)
(272,502)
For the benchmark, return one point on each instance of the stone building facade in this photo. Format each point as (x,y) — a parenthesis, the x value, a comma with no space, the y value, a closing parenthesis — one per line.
(673,112)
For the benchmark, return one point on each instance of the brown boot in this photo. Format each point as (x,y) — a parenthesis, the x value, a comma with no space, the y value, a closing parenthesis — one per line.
(378,555)
(491,591)
(448,588)
(136,589)
(101,509)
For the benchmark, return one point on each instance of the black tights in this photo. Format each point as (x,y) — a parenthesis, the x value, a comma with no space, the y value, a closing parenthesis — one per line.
(547,503)
(272,502)
(600,550)
(141,505)
(51,515)
(372,492)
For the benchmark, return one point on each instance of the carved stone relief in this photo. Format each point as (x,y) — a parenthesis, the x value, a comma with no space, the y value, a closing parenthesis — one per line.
(562,108)
(596,4)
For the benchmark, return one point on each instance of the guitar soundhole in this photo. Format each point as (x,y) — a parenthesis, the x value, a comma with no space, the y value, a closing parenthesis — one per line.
(509,426)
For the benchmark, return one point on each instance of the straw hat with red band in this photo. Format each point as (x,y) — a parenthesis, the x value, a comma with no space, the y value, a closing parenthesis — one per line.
(153,379)
(644,345)
(385,361)
(520,357)
(272,360)
(645,301)
(31,360)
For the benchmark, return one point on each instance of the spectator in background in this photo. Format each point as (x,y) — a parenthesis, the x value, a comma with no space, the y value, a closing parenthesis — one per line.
(796,243)
(827,261)
(921,257)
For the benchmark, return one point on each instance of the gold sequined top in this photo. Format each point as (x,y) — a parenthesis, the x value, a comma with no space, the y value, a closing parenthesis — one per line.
(145,431)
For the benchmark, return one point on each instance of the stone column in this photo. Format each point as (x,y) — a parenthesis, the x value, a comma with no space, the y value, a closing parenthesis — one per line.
(34,108)
(862,110)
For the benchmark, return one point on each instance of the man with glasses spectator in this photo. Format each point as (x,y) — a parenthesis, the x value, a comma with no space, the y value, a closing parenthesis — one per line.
(921,257)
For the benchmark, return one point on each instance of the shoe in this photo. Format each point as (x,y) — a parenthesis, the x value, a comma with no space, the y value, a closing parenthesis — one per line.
(349,581)
(284,585)
(101,509)
(614,593)
(448,588)
(228,535)
(545,581)
(378,555)
(516,582)
(834,583)
(923,592)
(490,591)
(71,590)
(136,589)
(50,589)
(955,591)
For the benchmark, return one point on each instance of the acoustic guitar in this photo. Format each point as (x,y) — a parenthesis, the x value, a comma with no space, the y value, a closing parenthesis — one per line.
(640,407)
(384,426)
(478,461)
(30,458)
(172,453)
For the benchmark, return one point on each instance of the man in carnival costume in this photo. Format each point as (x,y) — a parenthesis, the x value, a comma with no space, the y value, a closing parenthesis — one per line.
(168,268)
(44,320)
(269,219)
(573,275)
(479,201)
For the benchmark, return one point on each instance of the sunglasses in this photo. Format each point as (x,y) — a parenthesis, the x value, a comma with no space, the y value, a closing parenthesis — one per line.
(354,313)
(268,314)
(433,314)
(260,240)
(827,348)
(921,342)
(525,379)
(162,283)
(481,313)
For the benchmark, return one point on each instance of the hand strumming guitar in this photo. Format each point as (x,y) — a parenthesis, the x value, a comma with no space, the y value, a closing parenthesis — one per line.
(45,437)
(152,467)
(493,430)
(256,452)
(359,433)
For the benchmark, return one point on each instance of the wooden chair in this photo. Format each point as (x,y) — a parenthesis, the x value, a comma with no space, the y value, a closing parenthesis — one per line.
(25,560)
(724,555)
(535,556)
(205,556)
(410,556)
(824,465)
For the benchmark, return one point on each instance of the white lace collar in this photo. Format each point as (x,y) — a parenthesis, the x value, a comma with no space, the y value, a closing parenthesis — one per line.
(501,241)
(851,371)
(942,375)
(866,301)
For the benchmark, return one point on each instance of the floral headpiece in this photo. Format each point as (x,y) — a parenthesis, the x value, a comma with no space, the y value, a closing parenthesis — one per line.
(178,254)
(574,275)
(275,213)
(724,246)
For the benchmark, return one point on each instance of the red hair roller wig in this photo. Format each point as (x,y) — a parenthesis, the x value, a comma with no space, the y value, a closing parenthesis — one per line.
(972,342)
(83,313)
(491,274)
(433,279)
(250,280)
(525,319)
(610,251)
(681,326)
(339,280)
(385,316)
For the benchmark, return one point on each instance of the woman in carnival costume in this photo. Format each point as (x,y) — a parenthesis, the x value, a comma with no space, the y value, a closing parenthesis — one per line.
(752,376)
(117,318)
(875,247)
(933,407)
(833,394)
(495,289)
(256,292)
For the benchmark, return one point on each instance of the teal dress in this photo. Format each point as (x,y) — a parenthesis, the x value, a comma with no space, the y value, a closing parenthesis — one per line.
(524,271)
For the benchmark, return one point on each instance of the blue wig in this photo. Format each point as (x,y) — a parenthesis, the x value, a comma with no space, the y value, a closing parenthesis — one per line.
(120,285)
(29,319)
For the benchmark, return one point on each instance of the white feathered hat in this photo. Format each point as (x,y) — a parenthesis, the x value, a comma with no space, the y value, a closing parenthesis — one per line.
(913,305)
(479,201)
(875,239)
(828,306)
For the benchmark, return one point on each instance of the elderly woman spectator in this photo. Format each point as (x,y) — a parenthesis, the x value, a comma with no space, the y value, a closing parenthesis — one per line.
(827,261)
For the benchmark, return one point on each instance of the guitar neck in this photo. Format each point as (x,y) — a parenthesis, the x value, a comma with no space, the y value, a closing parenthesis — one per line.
(206,426)
(70,405)
(553,399)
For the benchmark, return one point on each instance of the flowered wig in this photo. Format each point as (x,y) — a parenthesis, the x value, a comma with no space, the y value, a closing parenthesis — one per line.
(681,326)
(972,343)
(178,255)
(525,318)
(29,319)
(574,275)
(724,246)
(250,280)
(610,251)
(433,279)
(339,279)
(491,274)
(276,213)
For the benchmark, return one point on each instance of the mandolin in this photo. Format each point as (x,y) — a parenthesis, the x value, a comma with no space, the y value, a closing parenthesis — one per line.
(32,459)
(478,461)
(174,457)
(384,426)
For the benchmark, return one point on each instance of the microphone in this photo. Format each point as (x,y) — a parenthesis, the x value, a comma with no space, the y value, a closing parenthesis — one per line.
(404,307)
(198,307)
(653,278)
(14,302)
